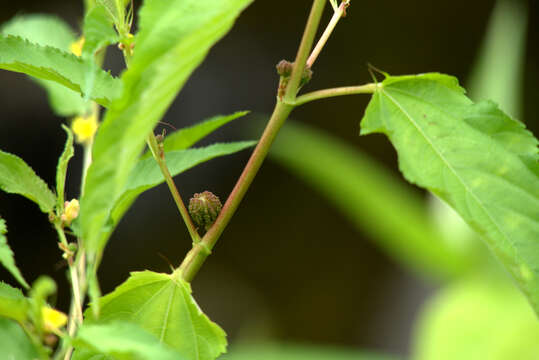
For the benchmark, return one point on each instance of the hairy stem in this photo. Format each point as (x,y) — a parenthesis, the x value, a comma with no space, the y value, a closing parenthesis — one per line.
(337,15)
(198,254)
(340,91)
(159,157)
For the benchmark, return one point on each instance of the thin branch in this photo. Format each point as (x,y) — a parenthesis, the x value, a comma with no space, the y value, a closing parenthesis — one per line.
(159,157)
(198,254)
(337,15)
(340,91)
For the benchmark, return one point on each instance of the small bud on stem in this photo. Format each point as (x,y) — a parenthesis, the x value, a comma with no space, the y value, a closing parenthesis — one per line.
(204,208)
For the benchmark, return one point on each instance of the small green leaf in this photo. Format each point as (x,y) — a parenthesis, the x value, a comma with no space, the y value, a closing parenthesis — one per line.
(15,344)
(13,304)
(61,169)
(481,317)
(186,137)
(48,30)
(16,177)
(162,305)
(174,38)
(147,174)
(361,189)
(121,341)
(299,352)
(481,162)
(98,31)
(49,63)
(6,256)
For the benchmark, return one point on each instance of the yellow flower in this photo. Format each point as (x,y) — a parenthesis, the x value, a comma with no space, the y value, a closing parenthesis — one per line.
(84,127)
(76,46)
(53,319)
(71,211)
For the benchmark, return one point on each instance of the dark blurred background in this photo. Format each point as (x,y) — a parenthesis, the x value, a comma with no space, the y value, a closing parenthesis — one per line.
(289,266)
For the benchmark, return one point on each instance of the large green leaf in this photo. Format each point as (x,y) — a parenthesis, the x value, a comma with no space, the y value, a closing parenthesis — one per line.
(362,190)
(162,305)
(49,63)
(122,341)
(16,177)
(147,174)
(48,30)
(482,317)
(13,304)
(174,38)
(15,344)
(6,256)
(481,162)
(188,136)
(299,352)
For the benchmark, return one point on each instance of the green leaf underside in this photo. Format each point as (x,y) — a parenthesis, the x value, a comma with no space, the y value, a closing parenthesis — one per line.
(6,256)
(48,30)
(186,137)
(168,50)
(61,169)
(14,343)
(361,189)
(480,317)
(16,177)
(13,304)
(147,173)
(49,63)
(120,340)
(481,162)
(299,352)
(98,31)
(162,305)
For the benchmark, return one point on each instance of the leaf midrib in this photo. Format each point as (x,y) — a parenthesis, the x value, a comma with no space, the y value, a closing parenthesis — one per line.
(464,184)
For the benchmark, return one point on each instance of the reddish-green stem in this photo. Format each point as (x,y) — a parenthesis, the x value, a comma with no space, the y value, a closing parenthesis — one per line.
(198,254)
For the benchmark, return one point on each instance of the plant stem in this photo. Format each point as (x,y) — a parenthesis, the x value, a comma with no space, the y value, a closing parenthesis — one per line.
(304,49)
(77,303)
(337,15)
(340,91)
(198,254)
(160,159)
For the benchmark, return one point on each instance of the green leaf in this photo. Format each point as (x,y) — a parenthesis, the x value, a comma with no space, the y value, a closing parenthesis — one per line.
(49,63)
(186,137)
(15,344)
(174,38)
(13,304)
(299,352)
(61,169)
(481,317)
(481,162)
(499,71)
(16,177)
(98,31)
(122,341)
(147,173)
(6,256)
(115,11)
(362,189)
(48,30)
(162,305)
(41,29)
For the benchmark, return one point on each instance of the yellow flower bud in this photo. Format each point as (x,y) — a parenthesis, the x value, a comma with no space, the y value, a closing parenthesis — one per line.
(76,47)
(71,211)
(84,127)
(53,319)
